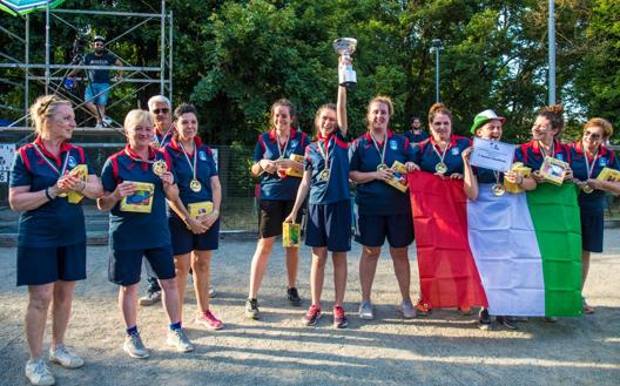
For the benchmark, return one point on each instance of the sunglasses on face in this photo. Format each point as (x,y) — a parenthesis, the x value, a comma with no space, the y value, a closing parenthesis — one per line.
(161,111)
(592,135)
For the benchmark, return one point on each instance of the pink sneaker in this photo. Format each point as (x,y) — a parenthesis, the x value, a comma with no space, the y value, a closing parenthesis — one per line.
(208,320)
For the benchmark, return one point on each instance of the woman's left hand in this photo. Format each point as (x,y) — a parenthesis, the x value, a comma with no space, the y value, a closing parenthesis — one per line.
(568,174)
(456,176)
(596,184)
(209,219)
(411,166)
(70,182)
(167,178)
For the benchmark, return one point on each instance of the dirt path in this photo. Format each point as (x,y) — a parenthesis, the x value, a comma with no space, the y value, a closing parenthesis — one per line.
(442,349)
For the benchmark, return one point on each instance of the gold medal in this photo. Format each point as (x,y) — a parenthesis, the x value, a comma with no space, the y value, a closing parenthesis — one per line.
(441,168)
(324,175)
(382,167)
(195,185)
(587,189)
(159,167)
(498,189)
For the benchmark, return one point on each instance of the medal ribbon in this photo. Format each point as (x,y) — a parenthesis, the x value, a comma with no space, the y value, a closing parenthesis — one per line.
(148,161)
(324,153)
(442,155)
(60,172)
(191,166)
(282,151)
(381,152)
(590,166)
(544,152)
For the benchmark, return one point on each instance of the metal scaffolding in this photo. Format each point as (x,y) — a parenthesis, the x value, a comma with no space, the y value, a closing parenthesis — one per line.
(52,76)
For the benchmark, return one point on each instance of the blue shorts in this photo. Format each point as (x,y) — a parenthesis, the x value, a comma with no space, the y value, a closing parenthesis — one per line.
(125,266)
(373,229)
(37,266)
(97,93)
(329,225)
(592,229)
(184,241)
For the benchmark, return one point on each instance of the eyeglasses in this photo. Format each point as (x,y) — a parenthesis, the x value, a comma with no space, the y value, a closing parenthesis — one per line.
(592,135)
(161,111)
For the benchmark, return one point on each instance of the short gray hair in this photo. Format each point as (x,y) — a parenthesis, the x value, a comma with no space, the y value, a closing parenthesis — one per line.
(158,99)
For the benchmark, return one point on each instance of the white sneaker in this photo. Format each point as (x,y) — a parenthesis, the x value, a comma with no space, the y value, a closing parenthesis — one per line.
(107,121)
(134,347)
(407,309)
(38,374)
(99,125)
(212,292)
(66,359)
(179,340)
(365,311)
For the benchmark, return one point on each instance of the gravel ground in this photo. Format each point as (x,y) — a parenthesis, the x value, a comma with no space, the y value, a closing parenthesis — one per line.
(444,348)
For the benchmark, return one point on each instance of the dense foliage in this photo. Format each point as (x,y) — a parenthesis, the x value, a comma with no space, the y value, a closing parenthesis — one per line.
(234,58)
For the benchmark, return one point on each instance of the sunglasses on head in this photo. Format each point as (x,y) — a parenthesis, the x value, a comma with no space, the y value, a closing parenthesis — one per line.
(161,111)
(592,135)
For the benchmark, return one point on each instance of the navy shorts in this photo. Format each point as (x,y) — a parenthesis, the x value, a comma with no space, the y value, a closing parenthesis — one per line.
(184,241)
(329,225)
(373,229)
(272,215)
(44,265)
(592,229)
(125,266)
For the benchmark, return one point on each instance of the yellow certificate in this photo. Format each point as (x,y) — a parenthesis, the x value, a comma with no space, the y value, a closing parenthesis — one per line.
(609,174)
(198,209)
(141,201)
(291,235)
(292,172)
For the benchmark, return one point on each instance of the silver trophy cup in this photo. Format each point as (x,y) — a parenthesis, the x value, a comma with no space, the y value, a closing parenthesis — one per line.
(346,75)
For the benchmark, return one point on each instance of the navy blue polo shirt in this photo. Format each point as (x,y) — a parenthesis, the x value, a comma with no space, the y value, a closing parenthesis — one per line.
(55,223)
(487,176)
(529,153)
(272,186)
(130,230)
(415,138)
(427,158)
(337,188)
(376,197)
(604,159)
(205,169)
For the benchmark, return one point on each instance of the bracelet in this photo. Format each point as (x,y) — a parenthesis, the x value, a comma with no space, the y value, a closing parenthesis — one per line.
(47,194)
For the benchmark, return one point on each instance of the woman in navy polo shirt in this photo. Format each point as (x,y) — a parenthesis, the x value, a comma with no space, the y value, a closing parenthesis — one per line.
(194,239)
(326,176)
(136,181)
(277,196)
(488,125)
(383,211)
(51,243)
(440,154)
(545,141)
(588,157)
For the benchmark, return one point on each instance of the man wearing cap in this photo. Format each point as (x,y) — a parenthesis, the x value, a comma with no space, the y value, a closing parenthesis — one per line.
(97,90)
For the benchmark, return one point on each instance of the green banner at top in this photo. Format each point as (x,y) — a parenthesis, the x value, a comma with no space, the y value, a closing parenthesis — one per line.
(22,7)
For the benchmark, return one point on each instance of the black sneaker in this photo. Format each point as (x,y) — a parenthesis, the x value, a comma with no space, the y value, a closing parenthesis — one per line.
(506,321)
(484,319)
(251,309)
(293,297)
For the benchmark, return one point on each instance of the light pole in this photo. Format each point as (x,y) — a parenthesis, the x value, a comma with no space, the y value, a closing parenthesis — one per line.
(551,33)
(436,46)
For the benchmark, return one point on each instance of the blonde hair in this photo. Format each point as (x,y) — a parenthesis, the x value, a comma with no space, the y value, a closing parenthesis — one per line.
(436,109)
(137,116)
(386,100)
(43,108)
(608,129)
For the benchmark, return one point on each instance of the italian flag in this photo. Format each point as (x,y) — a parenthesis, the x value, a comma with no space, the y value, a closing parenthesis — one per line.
(517,254)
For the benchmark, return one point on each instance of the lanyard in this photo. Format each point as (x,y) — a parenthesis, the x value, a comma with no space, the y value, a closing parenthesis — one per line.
(324,152)
(282,151)
(590,166)
(51,164)
(381,152)
(544,152)
(192,166)
(442,155)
